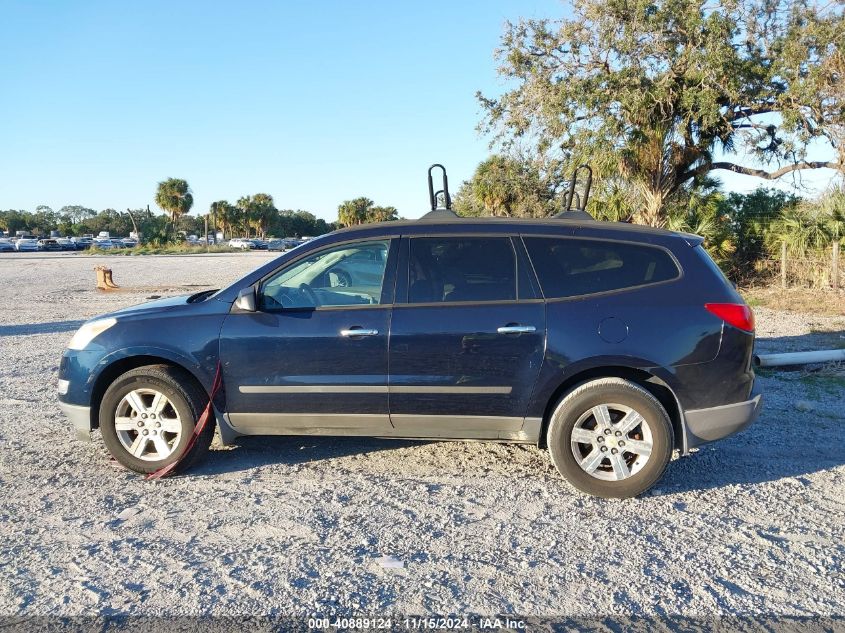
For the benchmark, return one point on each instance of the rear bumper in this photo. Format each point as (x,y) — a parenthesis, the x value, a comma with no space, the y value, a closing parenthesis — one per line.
(714,423)
(80,418)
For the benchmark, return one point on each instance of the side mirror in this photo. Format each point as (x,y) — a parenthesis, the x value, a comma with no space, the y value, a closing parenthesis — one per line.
(246,299)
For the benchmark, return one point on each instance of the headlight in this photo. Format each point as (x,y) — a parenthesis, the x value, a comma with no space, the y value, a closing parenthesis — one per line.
(88,332)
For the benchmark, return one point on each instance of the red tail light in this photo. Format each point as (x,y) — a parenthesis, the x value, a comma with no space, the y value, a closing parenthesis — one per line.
(737,314)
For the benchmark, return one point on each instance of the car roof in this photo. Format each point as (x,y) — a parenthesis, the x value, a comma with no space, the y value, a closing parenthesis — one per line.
(562,226)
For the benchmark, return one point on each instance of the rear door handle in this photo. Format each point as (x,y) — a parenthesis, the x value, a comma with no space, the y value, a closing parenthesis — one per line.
(358,331)
(516,329)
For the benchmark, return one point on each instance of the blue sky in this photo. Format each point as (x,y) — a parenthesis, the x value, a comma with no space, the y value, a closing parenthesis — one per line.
(313,103)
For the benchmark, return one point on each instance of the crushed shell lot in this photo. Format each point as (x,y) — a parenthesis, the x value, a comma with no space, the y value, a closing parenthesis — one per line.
(751,525)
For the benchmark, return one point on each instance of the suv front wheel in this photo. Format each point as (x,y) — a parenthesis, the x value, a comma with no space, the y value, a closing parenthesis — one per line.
(610,438)
(147,417)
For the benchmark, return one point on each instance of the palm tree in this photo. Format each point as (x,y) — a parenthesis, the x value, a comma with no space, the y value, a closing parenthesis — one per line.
(174,196)
(496,184)
(802,229)
(352,212)
(832,208)
(382,214)
(222,216)
(244,214)
(263,212)
(699,212)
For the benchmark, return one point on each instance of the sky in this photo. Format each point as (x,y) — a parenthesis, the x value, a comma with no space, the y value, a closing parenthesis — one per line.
(311,102)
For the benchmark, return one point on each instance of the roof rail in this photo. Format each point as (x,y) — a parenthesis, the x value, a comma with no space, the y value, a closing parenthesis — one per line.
(580,211)
(437,212)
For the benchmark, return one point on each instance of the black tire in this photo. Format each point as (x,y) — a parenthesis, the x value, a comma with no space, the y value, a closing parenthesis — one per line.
(186,397)
(579,403)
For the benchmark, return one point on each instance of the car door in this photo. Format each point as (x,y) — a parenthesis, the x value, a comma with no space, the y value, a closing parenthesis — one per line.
(313,357)
(467,339)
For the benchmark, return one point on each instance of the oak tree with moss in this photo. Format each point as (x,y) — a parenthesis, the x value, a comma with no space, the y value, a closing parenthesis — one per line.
(661,93)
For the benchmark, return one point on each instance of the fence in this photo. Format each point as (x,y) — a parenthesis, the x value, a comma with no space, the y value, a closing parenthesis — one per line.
(820,269)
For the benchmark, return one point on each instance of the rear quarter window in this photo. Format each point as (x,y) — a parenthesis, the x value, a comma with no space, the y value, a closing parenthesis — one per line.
(569,267)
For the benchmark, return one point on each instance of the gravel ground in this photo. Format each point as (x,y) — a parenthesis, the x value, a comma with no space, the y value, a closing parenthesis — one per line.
(749,526)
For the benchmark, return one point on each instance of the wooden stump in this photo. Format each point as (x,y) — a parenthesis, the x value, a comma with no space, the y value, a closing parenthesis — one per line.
(104,278)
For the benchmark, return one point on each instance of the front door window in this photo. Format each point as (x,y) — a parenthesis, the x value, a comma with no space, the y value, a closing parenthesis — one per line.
(346,275)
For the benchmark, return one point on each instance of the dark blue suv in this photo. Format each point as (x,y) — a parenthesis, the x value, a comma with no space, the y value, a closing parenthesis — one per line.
(611,344)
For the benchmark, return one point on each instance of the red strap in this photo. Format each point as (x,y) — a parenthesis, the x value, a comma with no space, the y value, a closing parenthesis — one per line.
(198,429)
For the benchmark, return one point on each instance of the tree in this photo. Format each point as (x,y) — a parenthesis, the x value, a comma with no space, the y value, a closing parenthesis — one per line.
(832,208)
(659,91)
(243,217)
(13,221)
(802,228)
(43,220)
(352,212)
(223,216)
(699,211)
(506,186)
(383,214)
(174,196)
(262,212)
(256,212)
(751,216)
(362,211)
(810,225)
(289,223)
(76,213)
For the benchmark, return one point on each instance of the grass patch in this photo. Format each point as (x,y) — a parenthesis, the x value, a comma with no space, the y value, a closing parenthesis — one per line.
(829,380)
(174,249)
(765,372)
(824,302)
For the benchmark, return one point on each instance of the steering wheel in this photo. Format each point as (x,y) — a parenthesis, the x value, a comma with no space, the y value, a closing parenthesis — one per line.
(310,292)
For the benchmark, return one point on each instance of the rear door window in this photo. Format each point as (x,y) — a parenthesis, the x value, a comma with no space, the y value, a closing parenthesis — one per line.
(569,267)
(461,269)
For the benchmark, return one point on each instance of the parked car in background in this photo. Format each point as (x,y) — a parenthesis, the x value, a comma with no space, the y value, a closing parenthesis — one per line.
(276,244)
(26,244)
(49,245)
(363,268)
(82,243)
(66,244)
(103,244)
(6,246)
(128,242)
(242,243)
(259,243)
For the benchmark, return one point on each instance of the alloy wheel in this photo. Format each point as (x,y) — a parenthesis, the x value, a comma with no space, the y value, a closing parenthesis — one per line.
(147,424)
(611,442)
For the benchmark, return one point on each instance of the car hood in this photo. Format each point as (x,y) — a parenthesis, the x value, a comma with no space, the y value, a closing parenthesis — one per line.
(158,305)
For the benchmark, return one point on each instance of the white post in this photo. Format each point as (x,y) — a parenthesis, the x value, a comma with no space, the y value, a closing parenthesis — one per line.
(783,265)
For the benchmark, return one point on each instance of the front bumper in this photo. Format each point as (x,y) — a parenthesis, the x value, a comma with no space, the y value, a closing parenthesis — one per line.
(714,423)
(80,418)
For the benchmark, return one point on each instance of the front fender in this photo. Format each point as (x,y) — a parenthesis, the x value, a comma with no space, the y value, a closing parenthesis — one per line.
(84,371)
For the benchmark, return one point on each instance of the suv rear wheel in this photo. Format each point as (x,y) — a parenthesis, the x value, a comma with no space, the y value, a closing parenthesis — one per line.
(148,415)
(610,438)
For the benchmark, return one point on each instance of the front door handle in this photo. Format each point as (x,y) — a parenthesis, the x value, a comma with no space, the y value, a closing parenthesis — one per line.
(516,329)
(358,331)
